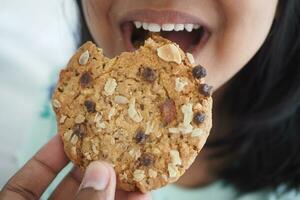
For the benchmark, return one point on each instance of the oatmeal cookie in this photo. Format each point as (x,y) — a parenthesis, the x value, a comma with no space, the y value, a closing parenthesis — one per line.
(146,112)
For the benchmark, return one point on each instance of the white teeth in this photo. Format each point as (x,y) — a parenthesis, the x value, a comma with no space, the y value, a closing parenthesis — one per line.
(145,26)
(196,26)
(153,27)
(188,27)
(138,24)
(179,27)
(168,27)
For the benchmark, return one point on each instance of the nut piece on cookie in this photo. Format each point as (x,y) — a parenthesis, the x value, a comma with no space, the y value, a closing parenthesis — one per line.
(84,58)
(169,53)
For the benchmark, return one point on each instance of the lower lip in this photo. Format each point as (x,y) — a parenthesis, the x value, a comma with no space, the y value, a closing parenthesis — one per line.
(127,30)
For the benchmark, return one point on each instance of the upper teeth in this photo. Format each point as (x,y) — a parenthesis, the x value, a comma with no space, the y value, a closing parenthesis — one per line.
(153,27)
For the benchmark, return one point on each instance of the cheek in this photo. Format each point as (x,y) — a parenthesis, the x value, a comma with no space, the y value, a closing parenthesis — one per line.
(96,14)
(243,29)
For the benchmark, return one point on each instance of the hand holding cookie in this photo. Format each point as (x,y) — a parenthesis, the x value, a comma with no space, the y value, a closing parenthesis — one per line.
(98,183)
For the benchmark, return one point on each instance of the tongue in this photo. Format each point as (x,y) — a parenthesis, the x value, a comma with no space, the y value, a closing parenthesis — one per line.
(186,40)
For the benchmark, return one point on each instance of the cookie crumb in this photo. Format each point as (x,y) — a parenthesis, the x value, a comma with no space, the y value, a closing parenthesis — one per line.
(110,86)
(169,53)
(133,113)
(138,175)
(84,58)
(56,103)
(121,100)
(180,84)
(190,58)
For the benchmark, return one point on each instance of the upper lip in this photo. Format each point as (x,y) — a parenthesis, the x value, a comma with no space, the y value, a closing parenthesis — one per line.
(162,17)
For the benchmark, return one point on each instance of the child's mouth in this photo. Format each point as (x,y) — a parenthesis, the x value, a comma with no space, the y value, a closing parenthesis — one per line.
(190,36)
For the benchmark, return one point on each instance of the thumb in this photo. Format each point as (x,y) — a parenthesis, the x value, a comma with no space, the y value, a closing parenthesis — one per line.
(98,183)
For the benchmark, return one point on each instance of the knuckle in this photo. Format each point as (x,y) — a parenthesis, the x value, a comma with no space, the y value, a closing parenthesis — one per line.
(20,191)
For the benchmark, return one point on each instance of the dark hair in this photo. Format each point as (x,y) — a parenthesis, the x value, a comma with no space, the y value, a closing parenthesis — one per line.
(264,101)
(264,104)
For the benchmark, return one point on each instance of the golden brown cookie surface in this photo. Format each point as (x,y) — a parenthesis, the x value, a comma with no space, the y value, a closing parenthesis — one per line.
(147,112)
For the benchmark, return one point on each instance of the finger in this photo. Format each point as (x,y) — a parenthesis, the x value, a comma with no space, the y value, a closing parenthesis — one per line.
(139,196)
(99,182)
(121,195)
(68,187)
(31,181)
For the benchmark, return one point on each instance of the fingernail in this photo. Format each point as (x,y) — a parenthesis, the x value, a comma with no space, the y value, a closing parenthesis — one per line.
(96,176)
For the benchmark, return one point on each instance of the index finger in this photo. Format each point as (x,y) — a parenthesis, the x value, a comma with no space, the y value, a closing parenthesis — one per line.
(33,179)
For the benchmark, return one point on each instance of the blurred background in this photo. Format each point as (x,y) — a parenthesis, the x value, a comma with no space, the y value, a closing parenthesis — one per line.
(37,38)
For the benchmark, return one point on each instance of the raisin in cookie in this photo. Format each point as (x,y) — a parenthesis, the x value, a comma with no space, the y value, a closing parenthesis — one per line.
(147,112)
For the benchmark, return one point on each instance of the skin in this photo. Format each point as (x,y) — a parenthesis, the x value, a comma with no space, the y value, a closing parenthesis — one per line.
(237,31)
(36,175)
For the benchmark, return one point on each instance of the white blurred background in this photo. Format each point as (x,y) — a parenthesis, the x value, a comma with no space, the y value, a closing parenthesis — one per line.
(37,37)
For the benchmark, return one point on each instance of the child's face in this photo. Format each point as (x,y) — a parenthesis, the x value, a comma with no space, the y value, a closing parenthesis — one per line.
(232,33)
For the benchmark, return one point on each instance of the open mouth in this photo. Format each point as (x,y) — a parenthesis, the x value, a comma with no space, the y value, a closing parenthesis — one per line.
(188,36)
